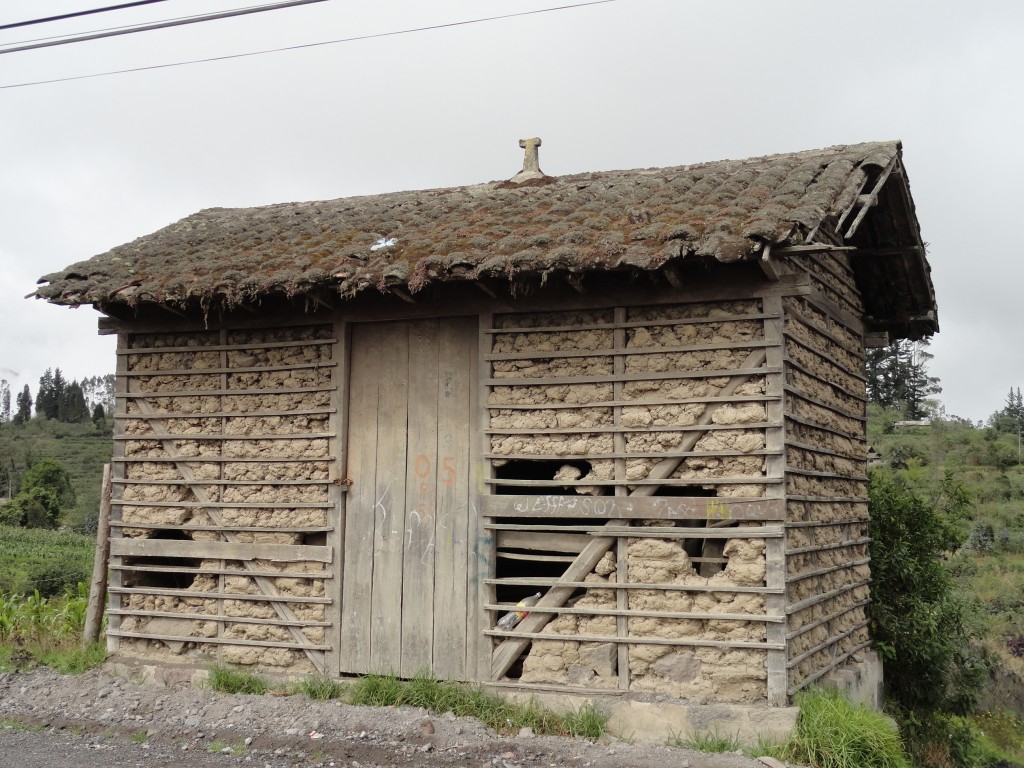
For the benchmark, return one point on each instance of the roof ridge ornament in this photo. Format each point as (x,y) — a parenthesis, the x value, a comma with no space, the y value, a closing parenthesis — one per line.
(531,161)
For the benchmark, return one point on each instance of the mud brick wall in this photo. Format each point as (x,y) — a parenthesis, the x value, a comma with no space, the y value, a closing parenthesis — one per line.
(827,570)
(226,437)
(613,392)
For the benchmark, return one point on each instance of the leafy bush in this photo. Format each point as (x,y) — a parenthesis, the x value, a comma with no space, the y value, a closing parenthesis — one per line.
(920,620)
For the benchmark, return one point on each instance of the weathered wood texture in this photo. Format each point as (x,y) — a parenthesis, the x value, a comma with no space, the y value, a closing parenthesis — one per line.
(98,585)
(223,495)
(404,604)
(639,414)
(827,573)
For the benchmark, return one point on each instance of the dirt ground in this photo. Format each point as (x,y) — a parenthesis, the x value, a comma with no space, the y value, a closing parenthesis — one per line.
(98,719)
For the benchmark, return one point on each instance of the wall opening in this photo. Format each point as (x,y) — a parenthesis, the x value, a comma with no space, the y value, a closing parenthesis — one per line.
(163,579)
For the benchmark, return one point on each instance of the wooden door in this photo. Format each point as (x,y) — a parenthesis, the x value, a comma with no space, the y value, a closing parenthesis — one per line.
(406,606)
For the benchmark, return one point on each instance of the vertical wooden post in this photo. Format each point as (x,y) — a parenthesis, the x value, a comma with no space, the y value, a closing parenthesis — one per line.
(338,475)
(775,556)
(98,586)
(483,552)
(122,395)
(621,544)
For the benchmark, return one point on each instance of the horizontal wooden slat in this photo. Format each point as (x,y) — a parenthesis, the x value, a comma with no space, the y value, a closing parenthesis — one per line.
(636,640)
(218,550)
(827,547)
(628,455)
(611,325)
(218,459)
(533,557)
(226,347)
(795,392)
(597,430)
(534,581)
(561,354)
(220,641)
(832,640)
(222,619)
(205,481)
(810,679)
(635,507)
(826,619)
(646,402)
(218,392)
(636,614)
(219,371)
(225,414)
(814,600)
(225,527)
(187,595)
(648,376)
(325,574)
(220,437)
(634,532)
(667,482)
(546,541)
(223,504)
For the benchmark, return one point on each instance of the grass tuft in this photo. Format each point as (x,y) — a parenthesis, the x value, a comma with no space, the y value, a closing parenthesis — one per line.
(833,733)
(320,688)
(472,701)
(74,660)
(707,741)
(228,679)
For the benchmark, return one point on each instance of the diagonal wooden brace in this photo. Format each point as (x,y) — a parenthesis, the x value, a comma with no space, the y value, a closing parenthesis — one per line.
(511,648)
(265,585)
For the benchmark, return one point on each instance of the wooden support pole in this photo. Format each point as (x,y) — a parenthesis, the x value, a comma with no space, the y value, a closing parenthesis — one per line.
(98,585)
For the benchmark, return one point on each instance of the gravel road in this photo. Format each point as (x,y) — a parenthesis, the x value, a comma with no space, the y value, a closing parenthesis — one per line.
(97,720)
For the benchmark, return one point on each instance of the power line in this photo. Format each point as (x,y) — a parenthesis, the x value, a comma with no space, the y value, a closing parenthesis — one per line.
(76,14)
(162,25)
(311,45)
(101,29)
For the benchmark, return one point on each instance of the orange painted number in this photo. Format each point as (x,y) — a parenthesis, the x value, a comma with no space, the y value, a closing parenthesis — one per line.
(448,473)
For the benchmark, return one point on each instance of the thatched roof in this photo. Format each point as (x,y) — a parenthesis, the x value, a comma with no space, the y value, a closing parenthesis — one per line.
(638,220)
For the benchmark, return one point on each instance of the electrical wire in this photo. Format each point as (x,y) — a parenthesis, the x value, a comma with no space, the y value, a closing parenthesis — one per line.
(101,29)
(163,25)
(76,14)
(303,46)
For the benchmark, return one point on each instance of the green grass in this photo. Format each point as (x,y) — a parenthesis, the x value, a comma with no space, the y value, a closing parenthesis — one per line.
(320,688)
(36,558)
(229,749)
(473,701)
(139,737)
(833,733)
(708,741)
(38,630)
(233,680)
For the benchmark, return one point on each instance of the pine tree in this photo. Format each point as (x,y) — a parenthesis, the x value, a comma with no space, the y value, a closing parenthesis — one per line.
(5,401)
(898,378)
(73,409)
(44,396)
(24,405)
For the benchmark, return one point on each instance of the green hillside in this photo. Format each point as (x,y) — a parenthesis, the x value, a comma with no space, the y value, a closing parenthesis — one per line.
(83,449)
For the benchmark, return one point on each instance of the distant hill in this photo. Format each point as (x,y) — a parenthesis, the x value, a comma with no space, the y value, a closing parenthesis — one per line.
(83,449)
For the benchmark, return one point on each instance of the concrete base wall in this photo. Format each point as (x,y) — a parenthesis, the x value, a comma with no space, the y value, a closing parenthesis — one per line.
(860,680)
(658,721)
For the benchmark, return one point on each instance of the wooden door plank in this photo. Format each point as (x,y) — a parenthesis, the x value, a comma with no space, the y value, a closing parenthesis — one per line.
(359,507)
(421,478)
(452,612)
(391,361)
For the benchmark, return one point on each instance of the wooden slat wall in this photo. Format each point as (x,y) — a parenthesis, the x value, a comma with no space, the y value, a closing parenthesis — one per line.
(528,524)
(205,426)
(827,562)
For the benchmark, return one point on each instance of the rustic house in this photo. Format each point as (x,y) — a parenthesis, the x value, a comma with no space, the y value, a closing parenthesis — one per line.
(352,433)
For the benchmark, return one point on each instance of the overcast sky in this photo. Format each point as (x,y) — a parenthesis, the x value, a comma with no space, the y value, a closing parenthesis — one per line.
(90,164)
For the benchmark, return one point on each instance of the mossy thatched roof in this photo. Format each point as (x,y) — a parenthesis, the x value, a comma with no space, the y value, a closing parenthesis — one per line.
(616,220)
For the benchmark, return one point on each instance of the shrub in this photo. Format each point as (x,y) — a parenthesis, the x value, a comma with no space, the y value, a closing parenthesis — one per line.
(920,621)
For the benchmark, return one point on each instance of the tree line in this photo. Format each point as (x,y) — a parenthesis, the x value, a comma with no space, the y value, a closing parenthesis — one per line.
(72,402)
